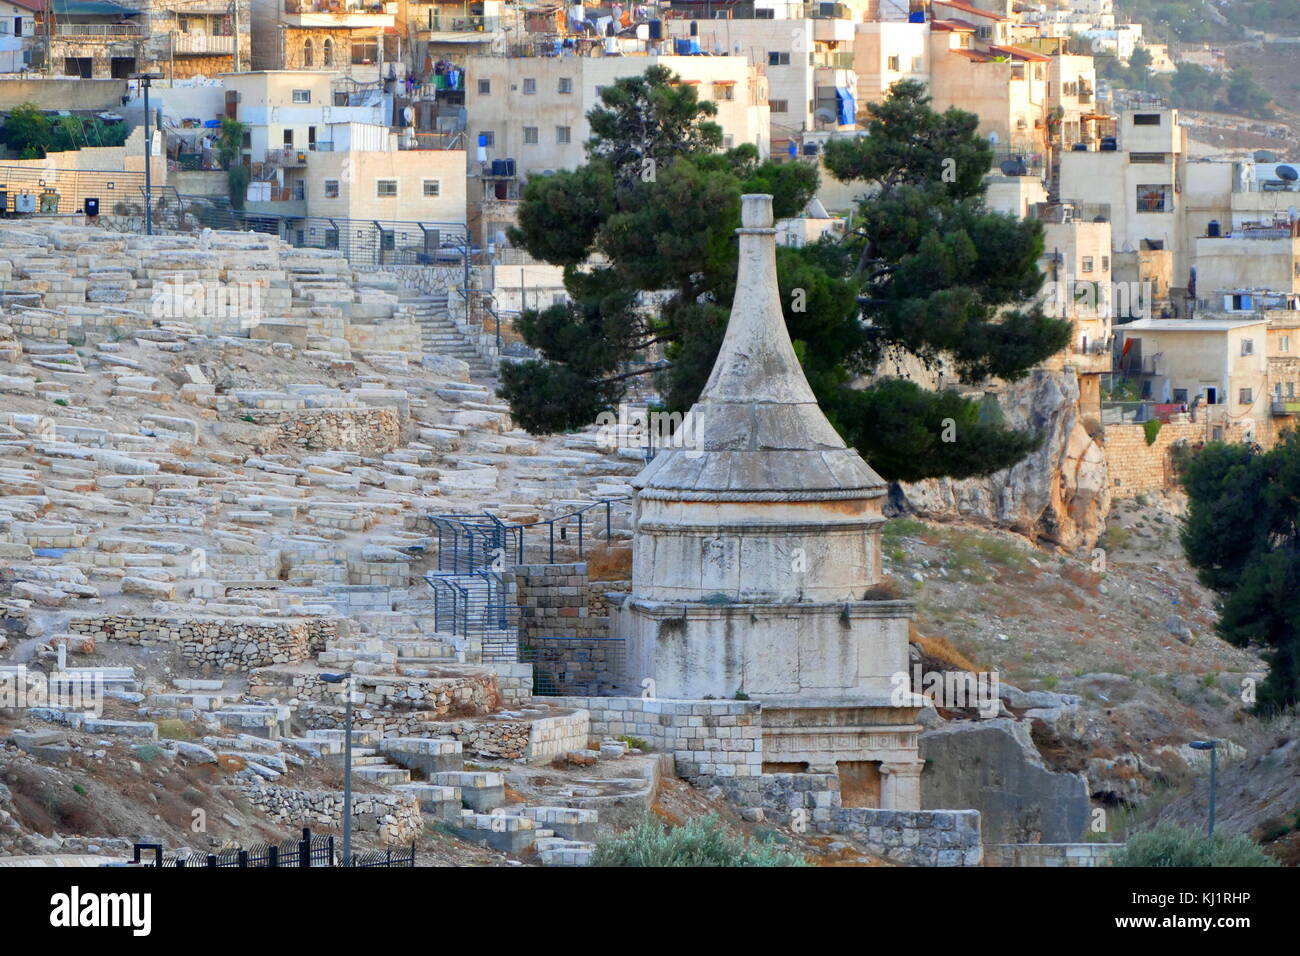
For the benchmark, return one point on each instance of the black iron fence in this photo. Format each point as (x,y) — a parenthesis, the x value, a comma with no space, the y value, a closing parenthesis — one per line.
(310,850)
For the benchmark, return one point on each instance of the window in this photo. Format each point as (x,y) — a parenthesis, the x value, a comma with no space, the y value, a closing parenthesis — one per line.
(893,63)
(724,91)
(1148,158)
(916,64)
(1284,344)
(308,55)
(530,135)
(1180,396)
(1087,264)
(566,84)
(385,188)
(1290,389)
(1105,263)
(331,189)
(302,96)
(328,59)
(1154,197)
(488,138)
(365,51)
(777,59)
(530,85)
(779,106)
(484,87)
(1247,346)
(288,139)
(432,187)
(1245,396)
(1146,119)
(728,141)
(563,135)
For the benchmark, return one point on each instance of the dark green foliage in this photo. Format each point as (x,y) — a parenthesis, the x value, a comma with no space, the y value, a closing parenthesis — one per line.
(942,277)
(1171,844)
(1242,534)
(700,841)
(31,134)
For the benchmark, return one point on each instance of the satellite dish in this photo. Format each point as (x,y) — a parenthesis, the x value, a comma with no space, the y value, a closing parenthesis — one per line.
(1287,173)
(825,115)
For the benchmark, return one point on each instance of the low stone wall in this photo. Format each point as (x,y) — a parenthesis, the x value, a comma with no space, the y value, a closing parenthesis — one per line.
(228,644)
(705,737)
(367,431)
(552,736)
(456,696)
(1050,854)
(515,683)
(812,801)
(395,817)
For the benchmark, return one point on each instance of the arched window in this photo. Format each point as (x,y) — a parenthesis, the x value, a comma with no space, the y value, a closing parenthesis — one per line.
(307,53)
(329,52)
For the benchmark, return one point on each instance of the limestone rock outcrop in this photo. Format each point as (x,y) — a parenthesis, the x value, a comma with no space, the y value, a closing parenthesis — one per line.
(1060,492)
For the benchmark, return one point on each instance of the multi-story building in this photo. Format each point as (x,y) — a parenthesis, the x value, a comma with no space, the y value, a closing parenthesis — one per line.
(98,39)
(533,109)
(1139,174)
(345,36)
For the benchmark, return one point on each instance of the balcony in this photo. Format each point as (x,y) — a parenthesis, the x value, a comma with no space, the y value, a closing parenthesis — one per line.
(99,31)
(331,14)
(1285,408)
(436,21)
(201,44)
(287,158)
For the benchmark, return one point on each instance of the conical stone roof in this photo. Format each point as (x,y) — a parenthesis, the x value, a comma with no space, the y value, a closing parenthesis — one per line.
(756,433)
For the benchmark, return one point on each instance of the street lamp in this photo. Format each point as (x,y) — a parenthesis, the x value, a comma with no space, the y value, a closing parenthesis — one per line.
(347,766)
(1213,747)
(146,79)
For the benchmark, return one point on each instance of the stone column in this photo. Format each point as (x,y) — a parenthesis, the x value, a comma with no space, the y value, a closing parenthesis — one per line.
(900,785)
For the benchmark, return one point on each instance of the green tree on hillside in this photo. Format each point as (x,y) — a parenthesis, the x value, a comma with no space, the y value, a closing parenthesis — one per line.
(929,271)
(1242,534)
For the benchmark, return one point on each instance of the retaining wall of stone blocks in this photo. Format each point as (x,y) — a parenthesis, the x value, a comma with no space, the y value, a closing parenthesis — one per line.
(705,737)
(1050,854)
(1135,467)
(368,431)
(227,644)
(394,816)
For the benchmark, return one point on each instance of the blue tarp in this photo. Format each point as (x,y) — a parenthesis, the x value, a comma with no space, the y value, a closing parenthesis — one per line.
(848,106)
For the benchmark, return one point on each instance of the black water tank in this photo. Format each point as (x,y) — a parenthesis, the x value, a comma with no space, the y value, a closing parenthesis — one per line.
(91,206)
(656,29)
(1108,144)
(1212,230)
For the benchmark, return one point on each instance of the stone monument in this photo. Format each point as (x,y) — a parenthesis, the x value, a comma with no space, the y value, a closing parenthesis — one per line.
(757,540)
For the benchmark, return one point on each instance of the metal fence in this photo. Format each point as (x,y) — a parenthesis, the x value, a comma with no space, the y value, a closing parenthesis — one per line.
(310,850)
(569,666)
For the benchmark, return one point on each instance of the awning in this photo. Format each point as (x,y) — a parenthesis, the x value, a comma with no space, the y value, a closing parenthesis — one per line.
(848,106)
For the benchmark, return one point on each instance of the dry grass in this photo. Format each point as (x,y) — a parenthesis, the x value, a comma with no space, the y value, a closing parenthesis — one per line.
(941,649)
(607,563)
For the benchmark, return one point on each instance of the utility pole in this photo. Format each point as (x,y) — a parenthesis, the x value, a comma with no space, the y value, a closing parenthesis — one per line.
(146,79)
(234,6)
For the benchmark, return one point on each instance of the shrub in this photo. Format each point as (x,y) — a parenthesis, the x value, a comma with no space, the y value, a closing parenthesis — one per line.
(1151,429)
(173,729)
(699,842)
(1172,844)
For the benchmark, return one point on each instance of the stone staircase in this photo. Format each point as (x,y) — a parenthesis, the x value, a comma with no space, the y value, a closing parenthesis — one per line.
(440,336)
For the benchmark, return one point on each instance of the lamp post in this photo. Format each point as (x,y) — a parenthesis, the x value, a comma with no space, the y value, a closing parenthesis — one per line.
(1213,747)
(146,80)
(347,765)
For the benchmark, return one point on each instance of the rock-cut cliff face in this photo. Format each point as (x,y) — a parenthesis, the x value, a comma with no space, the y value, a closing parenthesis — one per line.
(1060,493)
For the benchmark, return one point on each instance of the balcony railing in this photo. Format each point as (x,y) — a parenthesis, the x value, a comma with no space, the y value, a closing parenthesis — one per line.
(99,30)
(438,22)
(203,44)
(288,157)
